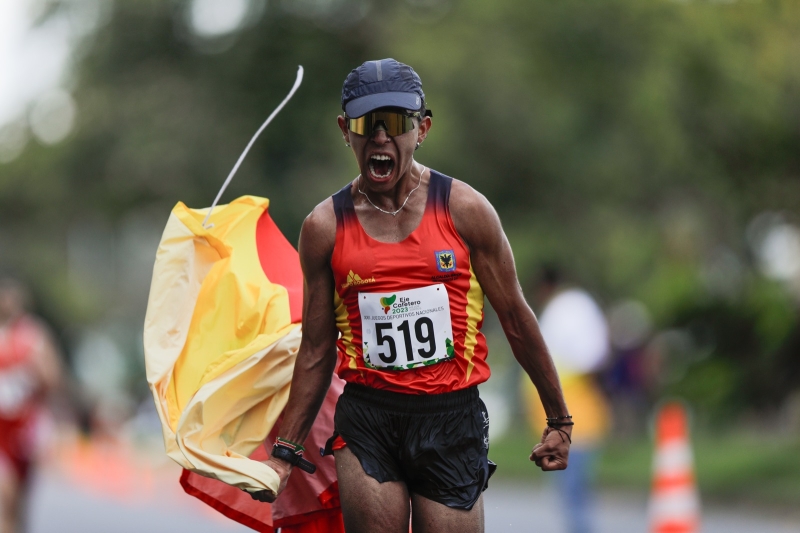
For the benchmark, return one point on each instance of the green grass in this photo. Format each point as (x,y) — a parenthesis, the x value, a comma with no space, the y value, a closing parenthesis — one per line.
(741,468)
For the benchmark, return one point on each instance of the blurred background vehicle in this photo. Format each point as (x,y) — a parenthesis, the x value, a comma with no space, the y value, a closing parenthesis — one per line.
(650,148)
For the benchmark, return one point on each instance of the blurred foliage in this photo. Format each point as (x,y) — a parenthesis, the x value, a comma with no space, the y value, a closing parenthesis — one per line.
(752,348)
(630,141)
(726,468)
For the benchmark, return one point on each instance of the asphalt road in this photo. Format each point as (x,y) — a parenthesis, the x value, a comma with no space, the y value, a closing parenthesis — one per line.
(61,505)
(536,509)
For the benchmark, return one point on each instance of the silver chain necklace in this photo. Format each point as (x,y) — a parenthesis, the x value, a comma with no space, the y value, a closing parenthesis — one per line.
(393,213)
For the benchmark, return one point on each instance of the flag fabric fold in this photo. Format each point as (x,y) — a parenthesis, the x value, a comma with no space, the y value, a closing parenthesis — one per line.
(221,335)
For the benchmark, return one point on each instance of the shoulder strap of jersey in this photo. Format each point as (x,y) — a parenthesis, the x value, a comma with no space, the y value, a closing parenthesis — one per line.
(439,193)
(343,205)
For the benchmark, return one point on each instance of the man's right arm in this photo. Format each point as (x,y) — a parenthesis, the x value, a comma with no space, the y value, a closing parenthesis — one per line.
(316,358)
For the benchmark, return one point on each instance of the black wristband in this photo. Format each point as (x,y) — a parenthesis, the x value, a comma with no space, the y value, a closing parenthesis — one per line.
(294,459)
(559,424)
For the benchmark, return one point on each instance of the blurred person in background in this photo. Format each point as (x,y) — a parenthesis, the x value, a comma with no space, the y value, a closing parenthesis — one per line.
(576,333)
(30,369)
(628,376)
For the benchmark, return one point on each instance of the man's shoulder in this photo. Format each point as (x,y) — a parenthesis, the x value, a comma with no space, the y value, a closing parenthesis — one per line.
(466,201)
(322,213)
(325,211)
(319,229)
(28,330)
(473,216)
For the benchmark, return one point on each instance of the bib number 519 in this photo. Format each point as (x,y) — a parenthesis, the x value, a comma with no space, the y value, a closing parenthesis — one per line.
(423,331)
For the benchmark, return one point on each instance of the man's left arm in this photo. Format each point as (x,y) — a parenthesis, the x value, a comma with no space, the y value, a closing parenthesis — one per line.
(493,262)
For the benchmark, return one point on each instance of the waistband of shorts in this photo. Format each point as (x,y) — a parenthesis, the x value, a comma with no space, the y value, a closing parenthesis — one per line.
(410,403)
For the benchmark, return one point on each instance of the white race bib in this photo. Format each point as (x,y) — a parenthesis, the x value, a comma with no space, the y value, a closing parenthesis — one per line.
(17,387)
(406,329)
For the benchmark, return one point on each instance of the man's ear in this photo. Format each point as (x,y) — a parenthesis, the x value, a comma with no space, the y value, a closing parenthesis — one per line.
(423,129)
(343,126)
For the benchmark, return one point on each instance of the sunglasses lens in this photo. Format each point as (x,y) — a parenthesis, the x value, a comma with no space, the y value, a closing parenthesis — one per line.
(394,123)
(358,125)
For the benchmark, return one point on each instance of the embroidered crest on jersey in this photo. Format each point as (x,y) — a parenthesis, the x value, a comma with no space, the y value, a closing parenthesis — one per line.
(445,260)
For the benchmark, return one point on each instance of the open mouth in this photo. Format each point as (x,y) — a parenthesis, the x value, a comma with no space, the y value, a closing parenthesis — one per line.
(380,166)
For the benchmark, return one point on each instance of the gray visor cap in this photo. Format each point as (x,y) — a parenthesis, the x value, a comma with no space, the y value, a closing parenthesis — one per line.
(382,83)
(361,106)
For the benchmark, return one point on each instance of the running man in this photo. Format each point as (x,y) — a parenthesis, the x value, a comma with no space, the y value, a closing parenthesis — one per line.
(29,370)
(396,266)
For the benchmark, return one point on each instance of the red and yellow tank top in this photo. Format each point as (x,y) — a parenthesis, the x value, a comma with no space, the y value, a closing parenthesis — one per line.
(409,313)
(18,381)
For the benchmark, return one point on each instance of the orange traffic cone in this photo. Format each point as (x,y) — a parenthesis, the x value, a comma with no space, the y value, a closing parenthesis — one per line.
(674,501)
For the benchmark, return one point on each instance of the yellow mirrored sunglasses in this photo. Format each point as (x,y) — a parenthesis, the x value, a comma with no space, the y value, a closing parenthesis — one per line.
(395,123)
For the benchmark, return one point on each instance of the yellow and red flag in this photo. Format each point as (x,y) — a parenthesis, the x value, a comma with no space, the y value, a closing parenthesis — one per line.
(221,334)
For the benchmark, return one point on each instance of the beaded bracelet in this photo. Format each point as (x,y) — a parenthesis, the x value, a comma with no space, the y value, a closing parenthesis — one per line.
(553,423)
(289,444)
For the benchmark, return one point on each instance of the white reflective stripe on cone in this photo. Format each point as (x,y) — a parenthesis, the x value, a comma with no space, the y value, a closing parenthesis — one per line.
(673,458)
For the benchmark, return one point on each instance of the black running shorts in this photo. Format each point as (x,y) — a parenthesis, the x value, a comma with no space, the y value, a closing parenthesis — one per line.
(436,444)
